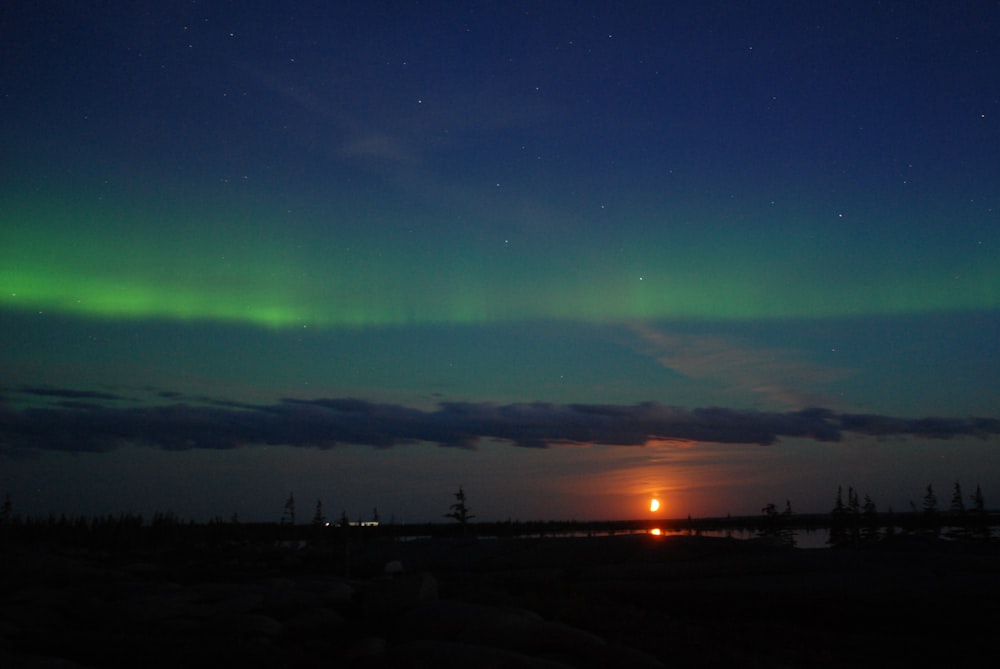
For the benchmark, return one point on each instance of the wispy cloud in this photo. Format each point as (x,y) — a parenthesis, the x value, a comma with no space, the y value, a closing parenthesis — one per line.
(328,422)
(68,393)
(377,147)
(778,376)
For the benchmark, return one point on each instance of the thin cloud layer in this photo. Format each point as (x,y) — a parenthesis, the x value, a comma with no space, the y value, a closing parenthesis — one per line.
(329,422)
(68,393)
(782,376)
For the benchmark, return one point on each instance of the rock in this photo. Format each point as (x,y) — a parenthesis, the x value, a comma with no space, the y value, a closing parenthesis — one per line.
(453,621)
(332,592)
(366,647)
(451,655)
(37,662)
(314,621)
(626,656)
(387,598)
(338,593)
(514,636)
(540,637)
(244,625)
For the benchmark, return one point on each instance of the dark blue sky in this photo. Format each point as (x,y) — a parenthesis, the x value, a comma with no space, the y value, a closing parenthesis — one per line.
(830,100)
(570,255)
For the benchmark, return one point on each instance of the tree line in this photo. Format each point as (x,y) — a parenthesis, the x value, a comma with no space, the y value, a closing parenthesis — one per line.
(857,521)
(854,520)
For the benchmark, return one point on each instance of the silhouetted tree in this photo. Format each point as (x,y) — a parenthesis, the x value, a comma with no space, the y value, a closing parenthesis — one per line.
(288,515)
(787,534)
(838,507)
(460,509)
(6,510)
(838,521)
(957,504)
(854,516)
(870,532)
(853,505)
(932,525)
(775,525)
(846,519)
(979,525)
(958,528)
(868,508)
(318,518)
(930,501)
(978,506)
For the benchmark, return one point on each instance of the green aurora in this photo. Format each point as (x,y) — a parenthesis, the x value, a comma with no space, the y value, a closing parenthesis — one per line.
(267,269)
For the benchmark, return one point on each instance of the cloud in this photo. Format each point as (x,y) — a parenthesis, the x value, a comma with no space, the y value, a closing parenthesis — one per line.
(68,393)
(328,422)
(378,147)
(932,428)
(780,376)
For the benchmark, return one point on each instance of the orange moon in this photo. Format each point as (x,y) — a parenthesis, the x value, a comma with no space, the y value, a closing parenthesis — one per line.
(654,504)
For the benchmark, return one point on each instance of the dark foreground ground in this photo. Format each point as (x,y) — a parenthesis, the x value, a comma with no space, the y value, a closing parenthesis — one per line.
(627,601)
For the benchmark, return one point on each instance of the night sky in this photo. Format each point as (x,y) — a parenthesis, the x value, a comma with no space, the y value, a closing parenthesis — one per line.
(568,255)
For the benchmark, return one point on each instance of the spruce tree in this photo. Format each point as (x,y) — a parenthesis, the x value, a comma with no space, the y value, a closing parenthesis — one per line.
(959,529)
(288,515)
(980,522)
(930,501)
(838,507)
(870,533)
(854,512)
(853,506)
(460,509)
(957,505)
(978,506)
(318,518)
(838,534)
(931,522)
